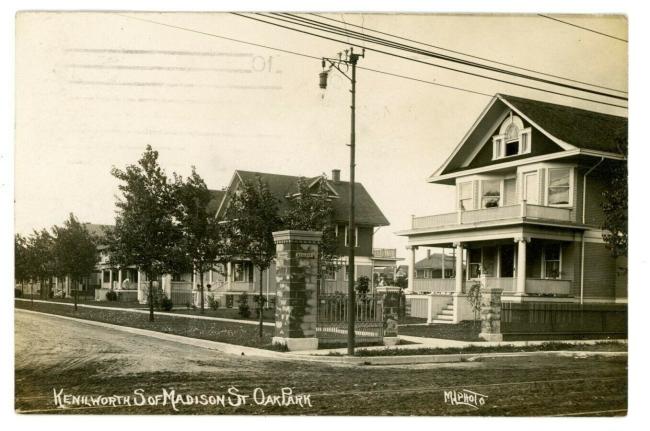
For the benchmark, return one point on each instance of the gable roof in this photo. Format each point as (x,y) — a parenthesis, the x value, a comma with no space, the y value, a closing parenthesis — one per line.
(572,129)
(434,261)
(366,210)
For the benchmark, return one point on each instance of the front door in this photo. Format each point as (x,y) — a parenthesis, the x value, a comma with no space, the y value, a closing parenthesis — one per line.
(531,188)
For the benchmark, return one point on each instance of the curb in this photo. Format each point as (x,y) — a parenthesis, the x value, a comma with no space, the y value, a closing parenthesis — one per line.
(234,349)
(162,313)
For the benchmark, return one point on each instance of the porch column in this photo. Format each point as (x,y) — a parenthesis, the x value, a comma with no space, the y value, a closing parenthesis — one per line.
(459,267)
(411,271)
(442,263)
(520,288)
(110,278)
(119,278)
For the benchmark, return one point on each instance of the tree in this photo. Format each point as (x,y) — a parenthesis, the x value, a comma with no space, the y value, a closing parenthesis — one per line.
(202,235)
(75,251)
(313,210)
(146,234)
(615,202)
(42,258)
(21,263)
(252,218)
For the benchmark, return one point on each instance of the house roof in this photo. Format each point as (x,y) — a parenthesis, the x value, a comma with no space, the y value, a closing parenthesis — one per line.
(434,261)
(97,230)
(578,127)
(216,198)
(366,210)
(573,130)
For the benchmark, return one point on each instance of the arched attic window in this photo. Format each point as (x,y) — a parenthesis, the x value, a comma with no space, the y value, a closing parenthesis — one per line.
(513,139)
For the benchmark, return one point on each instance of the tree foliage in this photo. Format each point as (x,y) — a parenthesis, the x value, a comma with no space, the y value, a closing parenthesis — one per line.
(75,251)
(252,217)
(146,233)
(312,210)
(202,237)
(615,202)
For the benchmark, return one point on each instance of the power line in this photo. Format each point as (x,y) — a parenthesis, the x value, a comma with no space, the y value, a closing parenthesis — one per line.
(315,25)
(439,66)
(470,55)
(300,54)
(313,57)
(583,28)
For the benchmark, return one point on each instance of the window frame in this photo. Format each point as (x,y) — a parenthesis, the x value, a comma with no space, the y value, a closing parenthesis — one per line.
(500,141)
(482,196)
(459,187)
(558,260)
(547,182)
(356,236)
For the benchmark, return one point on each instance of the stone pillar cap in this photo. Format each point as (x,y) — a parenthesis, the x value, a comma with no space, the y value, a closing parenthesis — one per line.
(298,236)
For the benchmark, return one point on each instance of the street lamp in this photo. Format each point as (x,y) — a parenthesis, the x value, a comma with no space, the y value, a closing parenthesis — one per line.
(347,60)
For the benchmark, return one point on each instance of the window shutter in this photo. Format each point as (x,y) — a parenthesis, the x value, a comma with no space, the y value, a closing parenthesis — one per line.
(497,143)
(524,141)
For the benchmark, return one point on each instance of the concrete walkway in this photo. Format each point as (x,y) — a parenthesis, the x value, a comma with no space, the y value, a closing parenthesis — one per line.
(158,313)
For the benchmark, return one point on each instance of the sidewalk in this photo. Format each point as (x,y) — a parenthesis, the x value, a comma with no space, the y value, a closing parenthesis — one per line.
(318,356)
(160,313)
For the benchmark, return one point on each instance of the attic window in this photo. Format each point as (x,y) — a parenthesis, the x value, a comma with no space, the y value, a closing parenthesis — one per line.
(513,139)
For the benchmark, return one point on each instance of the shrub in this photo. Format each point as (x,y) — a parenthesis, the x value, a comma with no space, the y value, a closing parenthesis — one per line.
(111,295)
(166,304)
(260,301)
(18,293)
(213,303)
(244,308)
(363,284)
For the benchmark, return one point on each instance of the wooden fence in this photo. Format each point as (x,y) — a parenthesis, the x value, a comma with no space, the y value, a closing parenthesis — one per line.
(563,318)
(332,319)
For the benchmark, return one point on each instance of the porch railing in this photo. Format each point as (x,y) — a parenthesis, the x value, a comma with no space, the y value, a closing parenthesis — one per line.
(511,212)
(434,285)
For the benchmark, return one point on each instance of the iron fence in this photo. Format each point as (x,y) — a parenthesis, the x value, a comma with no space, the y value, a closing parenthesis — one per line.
(332,319)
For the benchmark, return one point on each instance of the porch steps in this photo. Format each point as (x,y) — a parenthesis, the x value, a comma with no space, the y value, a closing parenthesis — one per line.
(446,316)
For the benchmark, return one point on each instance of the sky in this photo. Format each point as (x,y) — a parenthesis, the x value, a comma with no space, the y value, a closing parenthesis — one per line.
(93,89)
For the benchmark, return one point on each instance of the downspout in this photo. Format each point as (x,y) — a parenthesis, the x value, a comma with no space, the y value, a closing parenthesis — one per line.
(584,218)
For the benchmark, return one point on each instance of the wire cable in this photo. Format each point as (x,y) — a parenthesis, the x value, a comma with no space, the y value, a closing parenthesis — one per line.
(439,66)
(313,57)
(583,28)
(315,25)
(472,56)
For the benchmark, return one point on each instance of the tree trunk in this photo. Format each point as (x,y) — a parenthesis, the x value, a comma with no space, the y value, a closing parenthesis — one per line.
(76,293)
(202,294)
(150,294)
(261,303)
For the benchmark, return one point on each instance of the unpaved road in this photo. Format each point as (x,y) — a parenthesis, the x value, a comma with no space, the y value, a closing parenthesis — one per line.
(88,360)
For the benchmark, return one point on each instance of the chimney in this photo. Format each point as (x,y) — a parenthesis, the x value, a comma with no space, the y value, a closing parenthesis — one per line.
(428,253)
(336,176)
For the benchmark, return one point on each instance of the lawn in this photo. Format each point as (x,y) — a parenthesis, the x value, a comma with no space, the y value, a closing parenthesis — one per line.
(606,346)
(464,331)
(227,332)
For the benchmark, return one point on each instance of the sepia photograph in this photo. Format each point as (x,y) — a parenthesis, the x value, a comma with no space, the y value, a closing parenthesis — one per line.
(320,213)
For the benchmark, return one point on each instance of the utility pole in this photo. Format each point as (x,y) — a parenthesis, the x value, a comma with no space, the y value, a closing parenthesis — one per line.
(350,59)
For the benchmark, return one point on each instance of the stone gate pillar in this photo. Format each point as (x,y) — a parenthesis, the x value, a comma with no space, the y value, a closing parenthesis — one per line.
(296,296)
(491,314)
